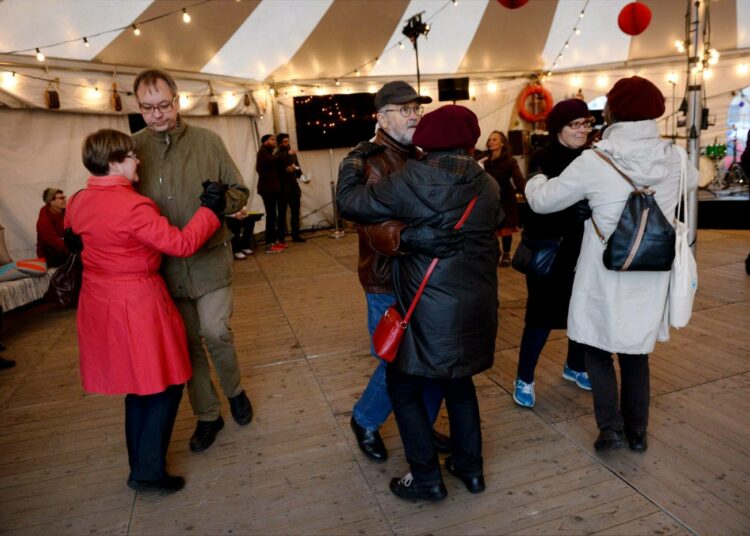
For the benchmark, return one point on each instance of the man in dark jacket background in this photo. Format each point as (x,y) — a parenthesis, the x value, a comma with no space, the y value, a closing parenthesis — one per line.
(289,172)
(269,188)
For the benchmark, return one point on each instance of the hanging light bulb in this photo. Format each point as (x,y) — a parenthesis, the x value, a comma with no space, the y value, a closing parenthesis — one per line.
(400,45)
(707,74)
(680,46)
(455,2)
(186,16)
(713,56)
(672,77)
(39,55)
(356,72)
(86,42)
(742,69)
(492,87)
(577,31)
(567,45)
(136,30)
(377,60)
(338,82)
(581,14)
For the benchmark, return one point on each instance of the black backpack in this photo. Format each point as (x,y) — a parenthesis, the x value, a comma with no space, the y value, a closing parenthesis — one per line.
(644,240)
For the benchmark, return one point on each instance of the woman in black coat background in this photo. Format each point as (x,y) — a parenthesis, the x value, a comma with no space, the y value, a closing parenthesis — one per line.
(451,335)
(548,299)
(499,163)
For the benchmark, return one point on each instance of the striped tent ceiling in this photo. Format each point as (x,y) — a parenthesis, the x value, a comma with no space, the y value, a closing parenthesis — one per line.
(298,40)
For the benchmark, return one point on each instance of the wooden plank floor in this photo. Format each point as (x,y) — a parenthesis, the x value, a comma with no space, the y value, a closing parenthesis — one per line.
(300,333)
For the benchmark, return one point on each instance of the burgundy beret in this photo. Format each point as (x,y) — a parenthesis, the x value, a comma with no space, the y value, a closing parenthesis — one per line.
(449,127)
(635,99)
(565,112)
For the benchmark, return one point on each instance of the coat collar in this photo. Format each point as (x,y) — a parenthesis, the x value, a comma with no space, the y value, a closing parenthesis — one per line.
(170,135)
(107,181)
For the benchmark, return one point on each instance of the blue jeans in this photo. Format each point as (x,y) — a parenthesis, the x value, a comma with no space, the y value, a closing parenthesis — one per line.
(374,406)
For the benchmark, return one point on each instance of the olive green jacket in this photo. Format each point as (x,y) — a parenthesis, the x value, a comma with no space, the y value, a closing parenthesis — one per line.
(173,166)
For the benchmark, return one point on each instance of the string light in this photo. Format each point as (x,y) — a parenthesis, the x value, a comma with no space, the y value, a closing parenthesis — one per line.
(86,42)
(455,2)
(377,60)
(338,82)
(400,45)
(185,16)
(713,56)
(39,55)
(742,69)
(680,46)
(136,30)
(672,77)
(566,44)
(356,72)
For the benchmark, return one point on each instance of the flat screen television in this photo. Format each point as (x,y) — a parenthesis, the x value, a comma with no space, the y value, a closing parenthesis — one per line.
(453,89)
(330,121)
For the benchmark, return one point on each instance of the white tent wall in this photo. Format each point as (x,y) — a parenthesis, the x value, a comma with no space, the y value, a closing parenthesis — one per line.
(41,149)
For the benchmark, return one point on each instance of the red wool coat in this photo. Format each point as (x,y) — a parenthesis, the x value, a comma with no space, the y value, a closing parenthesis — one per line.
(130,335)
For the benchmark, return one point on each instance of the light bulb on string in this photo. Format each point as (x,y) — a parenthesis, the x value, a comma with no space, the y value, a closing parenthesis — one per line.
(680,46)
(186,18)
(400,45)
(338,82)
(713,56)
(672,77)
(356,72)
(567,45)
(577,31)
(377,60)
(455,2)
(581,14)
(39,55)
(136,30)
(86,42)
(743,68)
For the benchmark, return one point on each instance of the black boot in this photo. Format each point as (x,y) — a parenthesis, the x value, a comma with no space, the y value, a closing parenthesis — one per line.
(205,434)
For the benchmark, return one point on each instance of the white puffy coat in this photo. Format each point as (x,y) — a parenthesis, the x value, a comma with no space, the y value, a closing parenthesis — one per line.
(616,311)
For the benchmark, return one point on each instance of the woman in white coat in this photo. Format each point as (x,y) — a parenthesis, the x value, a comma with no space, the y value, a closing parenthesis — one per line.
(614,311)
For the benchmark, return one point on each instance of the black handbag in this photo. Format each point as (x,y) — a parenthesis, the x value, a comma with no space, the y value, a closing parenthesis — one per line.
(644,240)
(535,257)
(65,285)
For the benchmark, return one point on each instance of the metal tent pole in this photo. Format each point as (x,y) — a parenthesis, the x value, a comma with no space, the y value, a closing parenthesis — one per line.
(695,110)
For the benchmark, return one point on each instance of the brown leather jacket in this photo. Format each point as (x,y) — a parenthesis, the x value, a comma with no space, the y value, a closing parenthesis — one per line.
(379,242)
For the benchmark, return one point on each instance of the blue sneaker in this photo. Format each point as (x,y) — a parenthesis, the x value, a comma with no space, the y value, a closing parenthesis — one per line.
(523,394)
(581,379)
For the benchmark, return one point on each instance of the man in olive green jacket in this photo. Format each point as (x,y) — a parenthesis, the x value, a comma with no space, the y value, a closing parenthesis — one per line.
(175,159)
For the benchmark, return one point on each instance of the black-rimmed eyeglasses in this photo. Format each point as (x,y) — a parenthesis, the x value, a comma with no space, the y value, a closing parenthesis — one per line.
(163,107)
(406,111)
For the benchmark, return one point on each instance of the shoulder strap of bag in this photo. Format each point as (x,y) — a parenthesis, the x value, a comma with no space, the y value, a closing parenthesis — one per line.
(682,204)
(635,187)
(434,262)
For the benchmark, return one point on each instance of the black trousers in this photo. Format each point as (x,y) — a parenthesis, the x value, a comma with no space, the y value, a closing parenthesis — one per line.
(415,427)
(631,413)
(294,203)
(275,206)
(532,342)
(243,231)
(149,420)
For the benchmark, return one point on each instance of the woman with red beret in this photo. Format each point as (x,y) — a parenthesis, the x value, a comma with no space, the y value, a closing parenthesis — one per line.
(451,335)
(615,311)
(569,124)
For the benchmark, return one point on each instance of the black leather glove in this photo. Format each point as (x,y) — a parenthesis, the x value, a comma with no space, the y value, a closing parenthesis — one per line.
(582,211)
(431,241)
(214,197)
(72,241)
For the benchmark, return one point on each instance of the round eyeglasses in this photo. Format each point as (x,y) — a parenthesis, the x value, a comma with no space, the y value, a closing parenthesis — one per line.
(163,107)
(406,111)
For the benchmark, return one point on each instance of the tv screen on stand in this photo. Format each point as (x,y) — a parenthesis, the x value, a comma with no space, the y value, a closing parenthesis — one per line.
(330,121)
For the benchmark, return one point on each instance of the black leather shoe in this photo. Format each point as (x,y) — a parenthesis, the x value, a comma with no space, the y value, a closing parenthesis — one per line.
(369,442)
(168,484)
(609,440)
(242,410)
(442,442)
(6,363)
(475,484)
(205,434)
(406,488)
(636,440)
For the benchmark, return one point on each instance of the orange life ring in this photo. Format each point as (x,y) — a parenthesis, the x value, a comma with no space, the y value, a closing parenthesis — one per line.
(526,93)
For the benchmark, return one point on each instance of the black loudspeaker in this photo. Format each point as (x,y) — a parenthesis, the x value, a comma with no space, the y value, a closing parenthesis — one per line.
(453,89)
(519,142)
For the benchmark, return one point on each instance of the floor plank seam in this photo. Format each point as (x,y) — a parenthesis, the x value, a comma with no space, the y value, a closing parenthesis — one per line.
(132,513)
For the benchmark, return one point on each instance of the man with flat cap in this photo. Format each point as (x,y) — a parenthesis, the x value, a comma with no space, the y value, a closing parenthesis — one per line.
(399,109)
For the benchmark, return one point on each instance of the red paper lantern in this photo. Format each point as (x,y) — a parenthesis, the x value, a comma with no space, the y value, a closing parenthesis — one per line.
(513,4)
(634,18)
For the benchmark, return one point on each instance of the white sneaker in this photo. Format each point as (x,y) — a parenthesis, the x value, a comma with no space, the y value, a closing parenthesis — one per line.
(239,256)
(247,251)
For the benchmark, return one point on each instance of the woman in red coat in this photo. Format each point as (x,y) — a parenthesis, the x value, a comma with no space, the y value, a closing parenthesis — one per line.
(130,334)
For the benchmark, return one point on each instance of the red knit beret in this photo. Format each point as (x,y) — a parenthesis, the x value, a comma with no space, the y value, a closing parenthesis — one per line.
(565,112)
(635,99)
(449,127)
